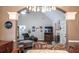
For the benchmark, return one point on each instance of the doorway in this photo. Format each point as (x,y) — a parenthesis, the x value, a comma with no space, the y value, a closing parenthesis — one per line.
(56,20)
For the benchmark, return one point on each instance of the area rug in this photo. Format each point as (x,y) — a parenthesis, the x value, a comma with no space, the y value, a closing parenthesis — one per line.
(47,51)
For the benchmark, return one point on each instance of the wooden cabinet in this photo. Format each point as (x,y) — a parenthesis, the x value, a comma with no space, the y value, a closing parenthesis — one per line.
(48,37)
(6,46)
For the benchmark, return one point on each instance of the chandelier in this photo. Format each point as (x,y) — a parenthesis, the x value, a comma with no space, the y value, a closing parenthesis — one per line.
(37,9)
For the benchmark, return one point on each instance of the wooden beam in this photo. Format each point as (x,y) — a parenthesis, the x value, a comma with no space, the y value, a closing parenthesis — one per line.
(60,10)
(22,9)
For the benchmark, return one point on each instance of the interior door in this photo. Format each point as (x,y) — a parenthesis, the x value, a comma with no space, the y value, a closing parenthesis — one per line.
(63,33)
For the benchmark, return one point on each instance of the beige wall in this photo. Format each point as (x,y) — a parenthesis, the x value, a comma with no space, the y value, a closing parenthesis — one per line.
(34,19)
(7,34)
(3,18)
(73,28)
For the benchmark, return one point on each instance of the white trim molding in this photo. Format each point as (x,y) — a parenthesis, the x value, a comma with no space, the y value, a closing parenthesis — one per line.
(70,15)
(13,15)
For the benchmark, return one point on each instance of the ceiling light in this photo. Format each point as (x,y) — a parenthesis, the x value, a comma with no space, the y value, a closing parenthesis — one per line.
(23,12)
(37,9)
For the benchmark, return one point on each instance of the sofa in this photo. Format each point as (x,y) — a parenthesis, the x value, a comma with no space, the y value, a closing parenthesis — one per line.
(27,41)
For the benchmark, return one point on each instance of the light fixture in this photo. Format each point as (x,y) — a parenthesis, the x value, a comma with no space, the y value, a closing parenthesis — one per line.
(37,9)
(44,9)
(23,12)
(70,15)
(53,8)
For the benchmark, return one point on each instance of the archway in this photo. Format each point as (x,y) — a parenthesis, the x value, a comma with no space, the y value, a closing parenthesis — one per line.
(59,25)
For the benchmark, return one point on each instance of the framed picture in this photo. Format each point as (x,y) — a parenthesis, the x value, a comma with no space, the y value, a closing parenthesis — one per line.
(41,29)
(33,28)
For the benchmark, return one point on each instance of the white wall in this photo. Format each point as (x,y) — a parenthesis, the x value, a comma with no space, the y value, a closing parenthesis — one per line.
(42,19)
(37,20)
(57,16)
